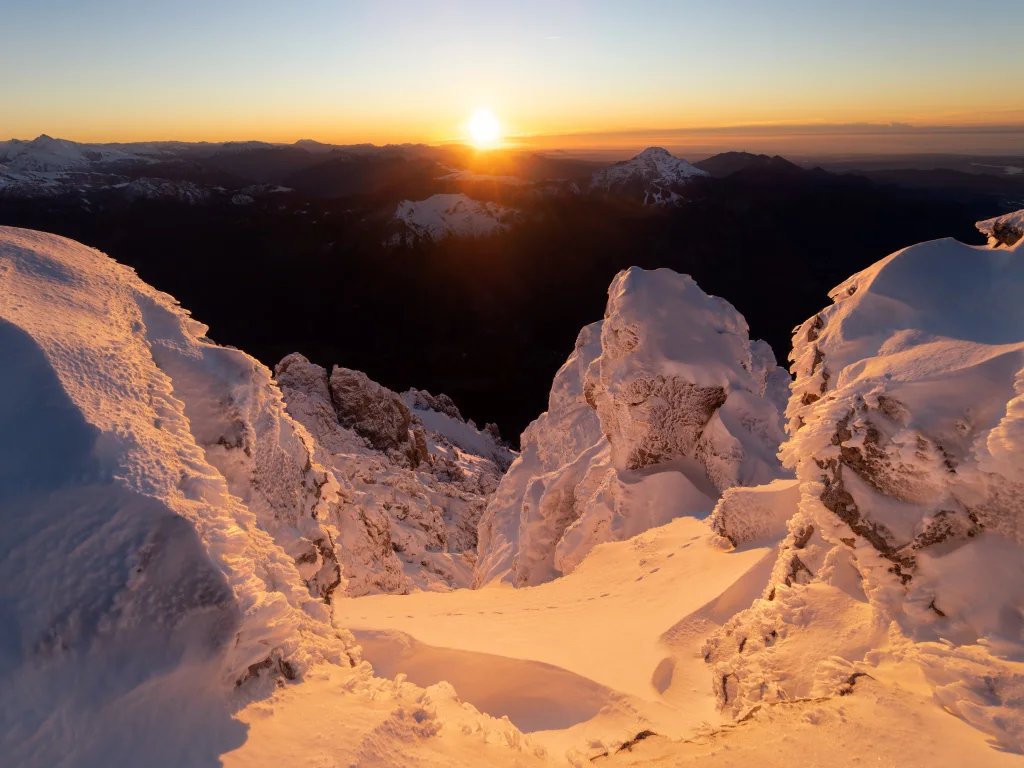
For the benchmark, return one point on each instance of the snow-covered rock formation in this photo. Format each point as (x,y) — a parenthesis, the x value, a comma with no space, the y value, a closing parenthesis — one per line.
(411,466)
(906,432)
(1003,231)
(159,507)
(655,176)
(450,215)
(171,542)
(662,406)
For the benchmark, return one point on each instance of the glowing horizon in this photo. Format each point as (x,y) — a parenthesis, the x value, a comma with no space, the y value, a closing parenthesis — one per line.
(402,72)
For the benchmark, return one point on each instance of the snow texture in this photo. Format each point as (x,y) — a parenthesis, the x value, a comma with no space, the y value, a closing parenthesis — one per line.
(154,495)
(655,176)
(906,426)
(410,467)
(661,407)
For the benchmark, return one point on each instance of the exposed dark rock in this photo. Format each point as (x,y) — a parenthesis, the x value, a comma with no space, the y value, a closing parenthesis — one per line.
(371,410)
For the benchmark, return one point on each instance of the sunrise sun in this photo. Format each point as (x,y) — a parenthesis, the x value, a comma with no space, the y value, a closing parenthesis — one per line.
(484,128)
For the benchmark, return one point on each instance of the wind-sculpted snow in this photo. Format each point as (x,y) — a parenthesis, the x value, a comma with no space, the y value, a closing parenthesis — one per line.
(409,466)
(154,496)
(906,429)
(655,176)
(662,405)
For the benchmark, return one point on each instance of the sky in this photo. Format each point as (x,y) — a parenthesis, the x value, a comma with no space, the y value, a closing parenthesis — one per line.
(557,72)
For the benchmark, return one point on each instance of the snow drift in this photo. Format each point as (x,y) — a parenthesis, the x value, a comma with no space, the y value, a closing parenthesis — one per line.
(906,427)
(662,406)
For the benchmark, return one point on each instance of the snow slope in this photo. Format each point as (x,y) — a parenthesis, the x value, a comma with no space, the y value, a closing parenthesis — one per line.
(451,215)
(655,175)
(662,405)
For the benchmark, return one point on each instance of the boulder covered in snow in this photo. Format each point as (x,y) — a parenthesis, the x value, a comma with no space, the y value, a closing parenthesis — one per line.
(906,430)
(662,406)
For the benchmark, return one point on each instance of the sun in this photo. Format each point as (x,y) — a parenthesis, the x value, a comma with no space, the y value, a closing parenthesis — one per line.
(484,128)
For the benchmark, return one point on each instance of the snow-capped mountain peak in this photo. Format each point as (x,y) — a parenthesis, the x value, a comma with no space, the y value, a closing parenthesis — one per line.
(653,175)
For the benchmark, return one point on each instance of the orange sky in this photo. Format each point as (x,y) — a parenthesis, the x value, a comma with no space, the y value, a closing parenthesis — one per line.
(583,71)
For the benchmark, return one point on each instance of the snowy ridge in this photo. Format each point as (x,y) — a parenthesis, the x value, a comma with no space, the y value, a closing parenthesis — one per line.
(450,215)
(654,175)
(905,431)
(45,156)
(656,412)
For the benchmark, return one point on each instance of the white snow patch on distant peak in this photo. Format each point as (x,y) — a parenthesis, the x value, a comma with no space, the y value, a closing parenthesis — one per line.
(452,215)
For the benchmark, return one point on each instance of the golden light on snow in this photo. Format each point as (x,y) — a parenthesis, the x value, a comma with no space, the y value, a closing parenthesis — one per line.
(484,128)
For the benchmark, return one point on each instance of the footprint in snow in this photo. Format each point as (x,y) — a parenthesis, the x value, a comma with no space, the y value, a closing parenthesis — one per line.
(654,570)
(671,554)
(605,594)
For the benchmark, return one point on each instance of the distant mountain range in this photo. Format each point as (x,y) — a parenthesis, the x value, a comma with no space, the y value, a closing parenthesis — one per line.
(488,257)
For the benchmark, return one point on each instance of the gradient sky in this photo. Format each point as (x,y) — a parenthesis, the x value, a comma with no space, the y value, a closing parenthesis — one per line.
(390,71)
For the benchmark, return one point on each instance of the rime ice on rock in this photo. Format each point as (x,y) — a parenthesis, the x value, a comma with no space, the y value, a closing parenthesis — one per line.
(409,465)
(906,428)
(662,405)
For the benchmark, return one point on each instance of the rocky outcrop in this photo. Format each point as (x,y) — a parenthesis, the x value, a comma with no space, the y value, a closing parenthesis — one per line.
(905,427)
(1003,231)
(419,479)
(372,411)
(652,416)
